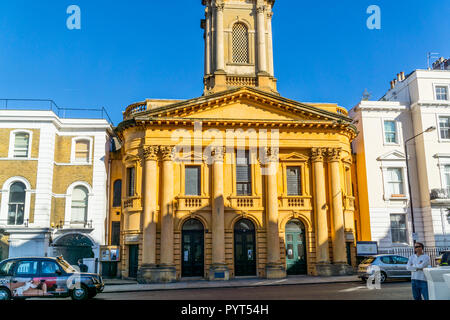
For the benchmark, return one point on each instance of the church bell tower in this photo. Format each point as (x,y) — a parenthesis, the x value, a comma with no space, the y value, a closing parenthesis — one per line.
(238,45)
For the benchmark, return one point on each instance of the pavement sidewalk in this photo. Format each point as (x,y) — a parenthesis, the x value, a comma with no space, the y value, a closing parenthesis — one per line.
(112,286)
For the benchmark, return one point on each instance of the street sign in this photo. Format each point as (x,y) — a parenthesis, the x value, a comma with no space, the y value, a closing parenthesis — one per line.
(415,236)
(366,248)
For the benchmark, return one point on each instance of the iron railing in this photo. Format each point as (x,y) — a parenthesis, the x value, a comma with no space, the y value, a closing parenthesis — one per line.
(50,105)
(432,252)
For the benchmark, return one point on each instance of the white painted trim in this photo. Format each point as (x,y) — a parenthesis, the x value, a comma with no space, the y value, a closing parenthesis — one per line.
(5,198)
(397,133)
(12,138)
(438,126)
(72,153)
(68,207)
(435,85)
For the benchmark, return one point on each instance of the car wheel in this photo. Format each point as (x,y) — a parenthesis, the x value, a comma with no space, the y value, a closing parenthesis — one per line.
(383,277)
(5,294)
(80,294)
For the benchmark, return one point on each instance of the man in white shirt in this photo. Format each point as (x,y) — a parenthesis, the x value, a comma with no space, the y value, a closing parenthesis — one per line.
(416,264)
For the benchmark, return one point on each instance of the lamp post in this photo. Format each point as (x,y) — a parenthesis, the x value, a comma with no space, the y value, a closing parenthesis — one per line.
(430,129)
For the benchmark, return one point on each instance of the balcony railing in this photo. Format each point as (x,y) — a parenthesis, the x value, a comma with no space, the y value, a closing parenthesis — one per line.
(440,196)
(192,202)
(6,223)
(132,204)
(349,203)
(134,108)
(245,202)
(296,202)
(74,224)
(238,81)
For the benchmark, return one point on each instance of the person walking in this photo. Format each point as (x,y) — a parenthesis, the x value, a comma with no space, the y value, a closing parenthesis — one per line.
(416,263)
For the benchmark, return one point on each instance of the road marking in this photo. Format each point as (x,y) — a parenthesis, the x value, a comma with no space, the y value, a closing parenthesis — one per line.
(353,289)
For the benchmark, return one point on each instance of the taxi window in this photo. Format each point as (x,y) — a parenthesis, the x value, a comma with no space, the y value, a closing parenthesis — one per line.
(6,268)
(49,268)
(26,268)
(387,260)
(400,260)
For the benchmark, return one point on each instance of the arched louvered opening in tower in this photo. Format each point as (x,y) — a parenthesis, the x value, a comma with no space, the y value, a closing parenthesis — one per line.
(240,43)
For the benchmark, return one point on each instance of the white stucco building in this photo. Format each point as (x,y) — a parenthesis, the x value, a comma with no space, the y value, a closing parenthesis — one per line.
(53,180)
(413,104)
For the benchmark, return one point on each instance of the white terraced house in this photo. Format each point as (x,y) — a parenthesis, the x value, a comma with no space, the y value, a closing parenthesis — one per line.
(417,104)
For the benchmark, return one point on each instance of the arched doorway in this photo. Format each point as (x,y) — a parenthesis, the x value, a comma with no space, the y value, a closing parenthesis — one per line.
(192,255)
(73,247)
(244,248)
(295,248)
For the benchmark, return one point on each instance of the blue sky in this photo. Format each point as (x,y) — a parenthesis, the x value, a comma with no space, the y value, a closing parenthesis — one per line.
(127,51)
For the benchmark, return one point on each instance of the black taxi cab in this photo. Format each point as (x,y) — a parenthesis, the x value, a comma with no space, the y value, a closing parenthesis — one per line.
(22,278)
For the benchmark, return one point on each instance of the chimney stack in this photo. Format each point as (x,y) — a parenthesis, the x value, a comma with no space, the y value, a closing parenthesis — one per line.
(399,77)
(403,75)
(392,84)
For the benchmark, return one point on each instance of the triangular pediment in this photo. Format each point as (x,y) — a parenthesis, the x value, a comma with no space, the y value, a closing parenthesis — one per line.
(393,156)
(243,104)
(294,157)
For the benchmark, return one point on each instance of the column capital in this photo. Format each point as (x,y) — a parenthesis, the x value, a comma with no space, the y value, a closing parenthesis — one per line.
(261,9)
(269,14)
(219,6)
(334,154)
(167,153)
(218,154)
(271,154)
(318,154)
(150,153)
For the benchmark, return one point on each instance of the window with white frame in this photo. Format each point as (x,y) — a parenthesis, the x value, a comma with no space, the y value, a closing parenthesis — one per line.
(79,206)
(21,144)
(398,228)
(444,127)
(16,204)
(390,131)
(82,148)
(447,178)
(395,182)
(442,93)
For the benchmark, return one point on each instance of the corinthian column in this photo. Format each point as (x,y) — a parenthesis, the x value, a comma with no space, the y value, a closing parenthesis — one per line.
(339,249)
(262,62)
(320,204)
(167,208)
(219,269)
(270,43)
(150,218)
(220,50)
(274,268)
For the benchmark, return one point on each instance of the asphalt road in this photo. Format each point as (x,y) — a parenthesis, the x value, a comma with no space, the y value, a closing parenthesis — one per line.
(399,290)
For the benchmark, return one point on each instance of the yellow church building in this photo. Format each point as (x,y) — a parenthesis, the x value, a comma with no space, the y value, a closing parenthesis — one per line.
(237,182)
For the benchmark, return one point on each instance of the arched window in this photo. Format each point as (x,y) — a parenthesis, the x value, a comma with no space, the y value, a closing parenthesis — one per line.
(240,43)
(79,205)
(16,205)
(21,144)
(117,193)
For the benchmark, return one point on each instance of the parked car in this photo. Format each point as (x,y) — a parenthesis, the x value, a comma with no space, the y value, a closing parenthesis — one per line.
(444,259)
(391,266)
(22,278)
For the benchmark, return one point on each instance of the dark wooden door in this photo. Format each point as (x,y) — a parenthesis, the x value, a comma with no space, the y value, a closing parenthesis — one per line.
(244,249)
(133,252)
(193,253)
